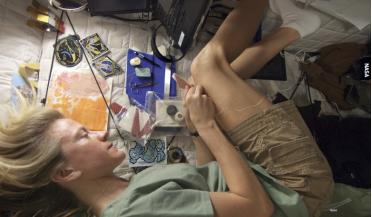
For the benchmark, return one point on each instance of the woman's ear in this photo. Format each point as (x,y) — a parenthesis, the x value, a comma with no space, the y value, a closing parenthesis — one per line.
(66,174)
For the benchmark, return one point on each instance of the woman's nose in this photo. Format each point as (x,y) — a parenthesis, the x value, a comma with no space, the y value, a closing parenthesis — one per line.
(101,135)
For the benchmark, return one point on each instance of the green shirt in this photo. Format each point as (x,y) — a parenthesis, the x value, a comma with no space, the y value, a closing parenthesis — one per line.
(182,190)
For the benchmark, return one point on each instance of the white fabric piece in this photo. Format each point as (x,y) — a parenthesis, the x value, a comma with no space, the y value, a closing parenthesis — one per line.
(303,21)
(357,12)
(331,31)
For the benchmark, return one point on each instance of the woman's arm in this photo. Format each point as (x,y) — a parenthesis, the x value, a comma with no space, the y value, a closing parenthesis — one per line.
(203,154)
(245,190)
(246,193)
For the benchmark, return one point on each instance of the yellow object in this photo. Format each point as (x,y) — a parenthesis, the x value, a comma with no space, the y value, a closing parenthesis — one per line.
(136,61)
(43,19)
(30,73)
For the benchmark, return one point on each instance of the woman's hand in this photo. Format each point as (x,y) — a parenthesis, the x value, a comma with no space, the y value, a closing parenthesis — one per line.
(200,107)
(188,121)
(185,86)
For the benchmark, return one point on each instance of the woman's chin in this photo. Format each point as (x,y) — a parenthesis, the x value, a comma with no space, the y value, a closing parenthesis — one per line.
(120,155)
(116,155)
(123,155)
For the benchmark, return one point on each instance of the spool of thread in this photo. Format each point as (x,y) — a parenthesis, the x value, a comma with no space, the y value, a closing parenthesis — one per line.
(176,155)
(136,61)
(179,117)
(172,110)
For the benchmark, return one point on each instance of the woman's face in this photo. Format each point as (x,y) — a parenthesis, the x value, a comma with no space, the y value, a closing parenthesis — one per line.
(86,151)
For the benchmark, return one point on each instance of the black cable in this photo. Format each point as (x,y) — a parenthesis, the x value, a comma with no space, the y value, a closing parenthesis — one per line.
(306,77)
(73,29)
(95,78)
(170,142)
(300,79)
(154,47)
(131,20)
(43,101)
(308,87)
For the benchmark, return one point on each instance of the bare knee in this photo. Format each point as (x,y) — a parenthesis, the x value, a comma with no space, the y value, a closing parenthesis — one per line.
(210,61)
(208,57)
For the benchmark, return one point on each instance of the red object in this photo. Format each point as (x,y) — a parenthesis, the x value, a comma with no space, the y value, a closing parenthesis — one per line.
(61,27)
(136,128)
(116,108)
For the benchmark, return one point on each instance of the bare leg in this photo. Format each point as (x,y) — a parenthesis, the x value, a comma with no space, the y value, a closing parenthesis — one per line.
(240,26)
(228,91)
(235,100)
(254,58)
(247,64)
(219,69)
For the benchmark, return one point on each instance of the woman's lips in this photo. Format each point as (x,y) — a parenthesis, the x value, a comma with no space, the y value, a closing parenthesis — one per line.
(110,146)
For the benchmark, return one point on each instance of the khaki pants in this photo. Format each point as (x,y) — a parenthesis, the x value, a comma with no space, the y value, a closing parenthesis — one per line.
(279,140)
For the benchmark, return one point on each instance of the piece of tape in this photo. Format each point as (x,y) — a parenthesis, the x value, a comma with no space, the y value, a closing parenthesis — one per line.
(167,80)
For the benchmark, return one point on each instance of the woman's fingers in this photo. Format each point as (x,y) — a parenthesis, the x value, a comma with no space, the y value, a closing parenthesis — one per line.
(193,90)
(186,90)
(190,92)
(198,90)
(188,95)
(182,83)
(188,121)
(194,95)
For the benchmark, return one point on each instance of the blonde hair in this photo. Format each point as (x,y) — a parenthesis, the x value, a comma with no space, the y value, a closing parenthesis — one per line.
(29,155)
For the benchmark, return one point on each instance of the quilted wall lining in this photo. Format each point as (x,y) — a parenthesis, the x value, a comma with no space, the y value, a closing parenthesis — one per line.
(331,31)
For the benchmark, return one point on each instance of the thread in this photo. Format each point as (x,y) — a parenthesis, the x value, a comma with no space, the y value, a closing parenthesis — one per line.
(179,117)
(176,155)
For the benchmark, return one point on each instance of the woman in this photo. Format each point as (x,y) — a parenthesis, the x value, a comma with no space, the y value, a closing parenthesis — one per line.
(52,166)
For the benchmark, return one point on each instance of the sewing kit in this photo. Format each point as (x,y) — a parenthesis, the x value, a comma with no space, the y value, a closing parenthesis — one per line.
(146,73)
(169,113)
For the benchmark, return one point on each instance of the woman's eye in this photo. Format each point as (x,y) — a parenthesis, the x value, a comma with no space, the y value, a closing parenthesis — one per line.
(85,135)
